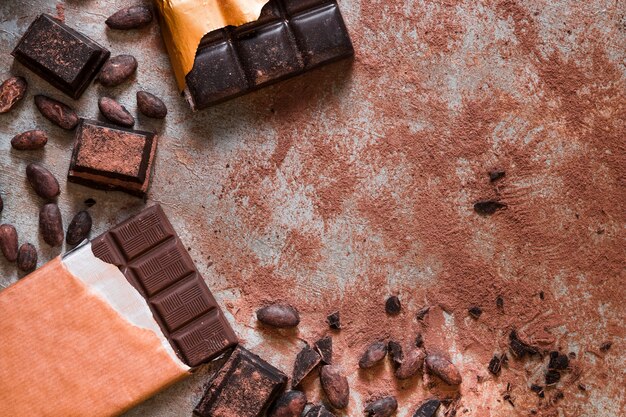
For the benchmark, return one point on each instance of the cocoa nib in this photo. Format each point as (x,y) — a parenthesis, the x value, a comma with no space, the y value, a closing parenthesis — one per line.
(278,315)
(475,312)
(519,348)
(552,377)
(115,112)
(79,228)
(419,340)
(335,385)
(58,113)
(334,321)
(495,365)
(537,389)
(150,105)
(392,305)
(499,302)
(558,361)
(117,70)
(383,407)
(43,181)
(30,140)
(395,353)
(411,364)
(319,411)
(90,202)
(496,174)
(8,242)
(27,257)
(422,313)
(488,207)
(444,369)
(133,17)
(428,408)
(374,353)
(289,404)
(324,347)
(604,347)
(306,360)
(51,224)
(12,90)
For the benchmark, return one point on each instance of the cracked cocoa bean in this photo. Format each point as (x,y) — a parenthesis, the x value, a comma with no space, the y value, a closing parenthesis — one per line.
(8,242)
(335,385)
(12,90)
(57,112)
(30,140)
(115,112)
(374,353)
(150,105)
(278,315)
(444,369)
(27,257)
(290,404)
(51,224)
(411,364)
(43,181)
(79,228)
(117,70)
(132,17)
(383,407)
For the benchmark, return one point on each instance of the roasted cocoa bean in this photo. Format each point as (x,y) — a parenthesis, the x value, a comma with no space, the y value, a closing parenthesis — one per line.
(319,411)
(43,181)
(444,369)
(290,404)
(27,257)
(374,353)
(115,112)
(12,90)
(383,407)
(133,17)
(117,70)
(335,385)
(150,105)
(51,224)
(392,305)
(79,228)
(278,315)
(30,140)
(428,408)
(58,113)
(412,363)
(8,242)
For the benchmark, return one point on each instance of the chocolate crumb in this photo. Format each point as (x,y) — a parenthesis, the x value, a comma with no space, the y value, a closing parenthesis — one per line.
(582,387)
(552,377)
(519,348)
(90,202)
(488,207)
(419,340)
(422,313)
(495,365)
(496,174)
(542,295)
(500,302)
(334,321)
(475,311)
(393,306)
(604,347)
(537,389)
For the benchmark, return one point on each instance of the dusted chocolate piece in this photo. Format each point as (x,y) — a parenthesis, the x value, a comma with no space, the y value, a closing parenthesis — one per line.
(112,158)
(289,37)
(60,55)
(306,360)
(149,253)
(244,387)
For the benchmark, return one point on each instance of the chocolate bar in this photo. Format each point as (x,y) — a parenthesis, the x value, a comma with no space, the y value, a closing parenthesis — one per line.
(244,387)
(289,38)
(112,158)
(60,55)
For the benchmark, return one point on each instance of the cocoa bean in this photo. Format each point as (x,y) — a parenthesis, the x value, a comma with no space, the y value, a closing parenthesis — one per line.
(132,17)
(335,385)
(57,112)
(117,70)
(43,181)
(12,90)
(278,315)
(428,408)
(392,305)
(30,140)
(115,112)
(51,224)
(383,407)
(79,228)
(411,363)
(27,257)
(444,369)
(374,353)
(395,353)
(319,411)
(150,105)
(8,242)
(290,404)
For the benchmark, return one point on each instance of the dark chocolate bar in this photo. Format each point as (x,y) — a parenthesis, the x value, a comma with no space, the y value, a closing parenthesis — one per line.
(151,256)
(112,158)
(290,37)
(60,55)
(244,387)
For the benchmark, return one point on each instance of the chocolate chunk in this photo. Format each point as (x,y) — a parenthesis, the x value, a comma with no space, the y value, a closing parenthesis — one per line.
(115,112)
(383,407)
(79,228)
(60,55)
(488,207)
(289,404)
(278,315)
(419,340)
(43,181)
(133,17)
(422,313)
(475,312)
(324,347)
(428,408)
(244,387)
(496,174)
(335,386)
(495,365)
(51,224)
(288,39)
(306,360)
(319,411)
(334,321)
(373,355)
(392,305)
(519,348)
(411,364)
(112,158)
(58,113)
(558,361)
(444,369)
(30,140)
(395,353)
(552,377)
(117,70)
(151,256)
(12,90)
(27,257)
(8,242)
(150,105)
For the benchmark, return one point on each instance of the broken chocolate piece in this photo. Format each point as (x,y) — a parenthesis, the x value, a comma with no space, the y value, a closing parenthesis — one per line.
(558,361)
(428,408)
(324,347)
(306,360)
(373,355)
(383,407)
(392,305)
(519,348)
(475,312)
(488,207)
(552,377)
(334,321)
(495,365)
(60,55)
(279,315)
(289,404)
(244,387)
(319,411)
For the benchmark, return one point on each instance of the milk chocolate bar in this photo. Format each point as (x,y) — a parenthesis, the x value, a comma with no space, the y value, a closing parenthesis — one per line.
(289,38)
(60,55)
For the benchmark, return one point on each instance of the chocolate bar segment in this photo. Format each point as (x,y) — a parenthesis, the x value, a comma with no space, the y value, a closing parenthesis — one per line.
(244,387)
(151,256)
(112,158)
(290,37)
(60,55)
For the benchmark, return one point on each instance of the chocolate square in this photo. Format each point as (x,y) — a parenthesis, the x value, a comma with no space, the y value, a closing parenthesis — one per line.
(112,158)
(60,55)
(244,387)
